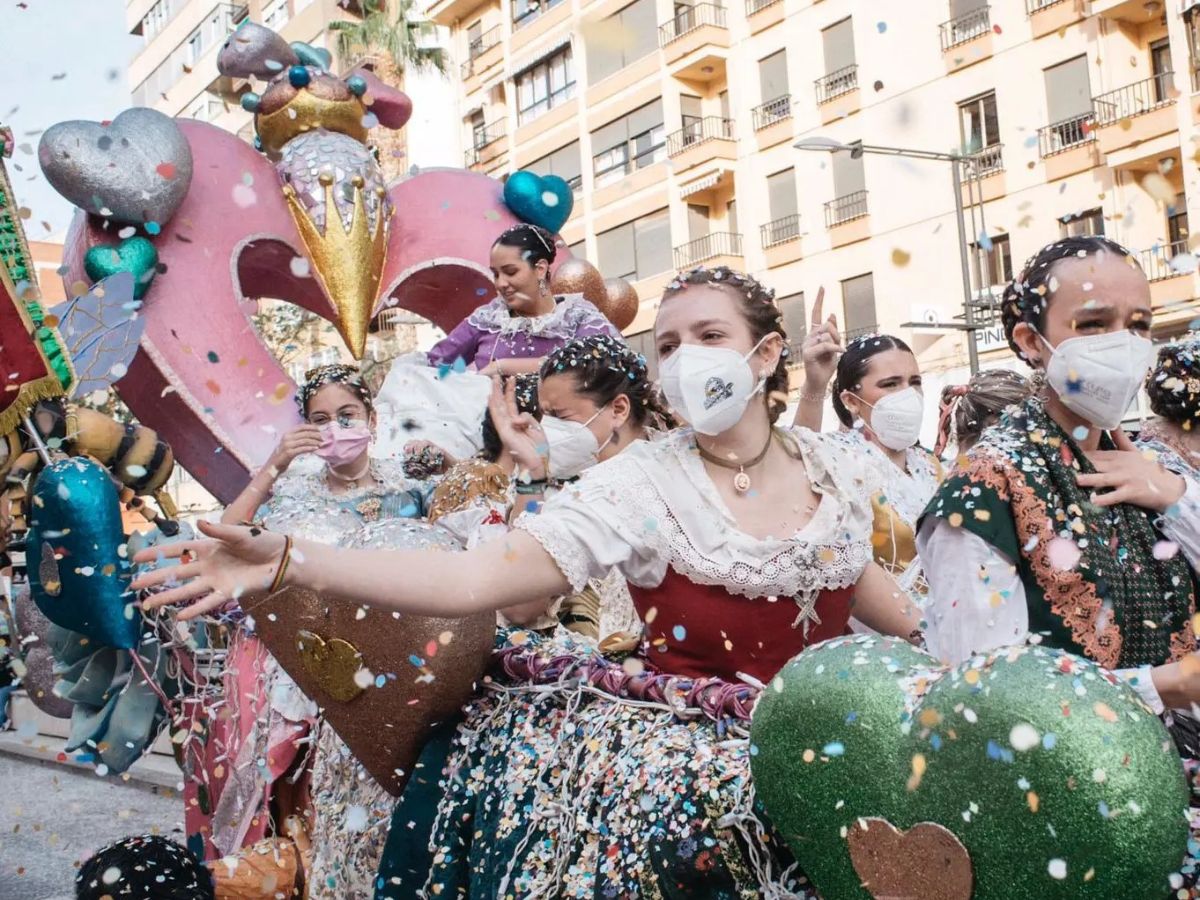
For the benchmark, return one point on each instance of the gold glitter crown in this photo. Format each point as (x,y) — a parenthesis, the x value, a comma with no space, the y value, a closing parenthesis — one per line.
(308,111)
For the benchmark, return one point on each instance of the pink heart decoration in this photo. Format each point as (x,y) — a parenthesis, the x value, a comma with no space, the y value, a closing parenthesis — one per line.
(202,377)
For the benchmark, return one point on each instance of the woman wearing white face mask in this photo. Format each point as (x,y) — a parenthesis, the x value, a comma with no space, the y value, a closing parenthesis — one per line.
(596,399)
(1050,524)
(878,398)
(731,578)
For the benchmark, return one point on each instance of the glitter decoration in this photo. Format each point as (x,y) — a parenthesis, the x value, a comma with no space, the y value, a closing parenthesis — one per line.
(908,705)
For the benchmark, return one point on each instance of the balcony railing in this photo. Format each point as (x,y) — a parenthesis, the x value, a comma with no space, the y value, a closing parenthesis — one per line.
(707,129)
(533,9)
(1134,99)
(845,209)
(862,331)
(719,243)
(986,162)
(1032,6)
(1158,262)
(481,139)
(1066,134)
(637,152)
(965,28)
(478,47)
(836,83)
(780,230)
(771,112)
(688,19)
(753,6)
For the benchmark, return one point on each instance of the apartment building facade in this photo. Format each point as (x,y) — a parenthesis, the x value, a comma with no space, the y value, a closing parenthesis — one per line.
(677,122)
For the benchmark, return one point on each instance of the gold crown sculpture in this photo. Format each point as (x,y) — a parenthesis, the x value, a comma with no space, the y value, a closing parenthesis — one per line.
(347,263)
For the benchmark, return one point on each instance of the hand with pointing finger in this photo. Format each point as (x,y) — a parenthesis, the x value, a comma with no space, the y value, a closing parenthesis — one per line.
(821,348)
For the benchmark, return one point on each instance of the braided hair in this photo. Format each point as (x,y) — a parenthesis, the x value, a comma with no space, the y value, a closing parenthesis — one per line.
(605,367)
(1027,296)
(967,409)
(535,243)
(348,377)
(1174,384)
(853,364)
(760,312)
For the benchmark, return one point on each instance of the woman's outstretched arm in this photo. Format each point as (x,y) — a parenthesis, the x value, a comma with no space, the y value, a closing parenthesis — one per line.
(238,564)
(881,604)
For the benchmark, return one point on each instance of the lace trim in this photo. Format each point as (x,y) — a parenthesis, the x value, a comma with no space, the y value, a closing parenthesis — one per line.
(563,322)
(311,486)
(568,554)
(1072,597)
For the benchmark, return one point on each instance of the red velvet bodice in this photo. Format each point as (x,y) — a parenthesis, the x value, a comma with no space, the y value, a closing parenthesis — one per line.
(702,630)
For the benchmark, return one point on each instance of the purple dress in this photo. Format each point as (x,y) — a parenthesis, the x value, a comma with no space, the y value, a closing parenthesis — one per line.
(492,332)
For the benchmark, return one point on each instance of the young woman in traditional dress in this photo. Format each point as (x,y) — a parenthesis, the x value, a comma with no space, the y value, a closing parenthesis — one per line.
(879,401)
(1051,526)
(348,811)
(743,542)
(515,331)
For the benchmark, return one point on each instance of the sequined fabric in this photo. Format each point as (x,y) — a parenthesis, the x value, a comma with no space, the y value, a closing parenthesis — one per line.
(556,791)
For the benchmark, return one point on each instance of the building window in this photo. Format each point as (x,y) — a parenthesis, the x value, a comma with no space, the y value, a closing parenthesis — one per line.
(991,263)
(545,85)
(206,108)
(621,39)
(980,122)
(578,250)
(858,304)
(1177,226)
(158,16)
(636,250)
(525,11)
(795,323)
(691,112)
(1069,105)
(783,208)
(1160,65)
(563,162)
(1090,222)
(841,65)
(211,32)
(632,142)
(643,343)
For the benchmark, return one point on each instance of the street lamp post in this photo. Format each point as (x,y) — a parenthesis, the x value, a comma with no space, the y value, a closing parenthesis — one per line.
(957,163)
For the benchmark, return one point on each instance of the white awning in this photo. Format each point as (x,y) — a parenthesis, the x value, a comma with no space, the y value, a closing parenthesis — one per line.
(532,58)
(703,184)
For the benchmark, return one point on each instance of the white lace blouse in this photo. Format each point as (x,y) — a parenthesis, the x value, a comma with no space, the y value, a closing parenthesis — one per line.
(653,506)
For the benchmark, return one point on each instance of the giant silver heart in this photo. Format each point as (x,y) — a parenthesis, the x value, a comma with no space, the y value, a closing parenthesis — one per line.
(135,169)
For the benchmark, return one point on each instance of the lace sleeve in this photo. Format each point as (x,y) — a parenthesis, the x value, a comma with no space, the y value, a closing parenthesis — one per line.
(591,527)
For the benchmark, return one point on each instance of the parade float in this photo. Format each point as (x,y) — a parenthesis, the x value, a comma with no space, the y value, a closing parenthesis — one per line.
(887,774)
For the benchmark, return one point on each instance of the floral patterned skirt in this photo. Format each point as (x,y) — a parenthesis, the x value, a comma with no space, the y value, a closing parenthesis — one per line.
(560,788)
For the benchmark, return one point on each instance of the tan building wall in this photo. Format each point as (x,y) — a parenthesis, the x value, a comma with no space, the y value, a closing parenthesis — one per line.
(896,76)
(47,260)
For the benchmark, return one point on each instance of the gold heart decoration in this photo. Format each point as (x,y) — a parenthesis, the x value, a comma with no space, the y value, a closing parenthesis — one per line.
(421,671)
(927,862)
(333,664)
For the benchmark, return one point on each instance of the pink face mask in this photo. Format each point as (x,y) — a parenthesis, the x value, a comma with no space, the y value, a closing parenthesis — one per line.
(342,444)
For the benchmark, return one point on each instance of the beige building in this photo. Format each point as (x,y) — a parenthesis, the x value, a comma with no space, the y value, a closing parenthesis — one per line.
(677,124)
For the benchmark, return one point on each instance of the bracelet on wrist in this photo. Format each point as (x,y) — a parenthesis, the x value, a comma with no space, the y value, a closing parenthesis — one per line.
(284,562)
(533,486)
(812,398)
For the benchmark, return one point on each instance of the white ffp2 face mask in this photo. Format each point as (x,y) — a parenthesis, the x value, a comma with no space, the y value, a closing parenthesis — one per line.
(571,445)
(709,386)
(1096,376)
(896,418)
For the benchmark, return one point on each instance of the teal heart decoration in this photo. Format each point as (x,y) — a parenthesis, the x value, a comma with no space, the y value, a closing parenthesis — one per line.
(542,200)
(76,557)
(135,254)
(1057,780)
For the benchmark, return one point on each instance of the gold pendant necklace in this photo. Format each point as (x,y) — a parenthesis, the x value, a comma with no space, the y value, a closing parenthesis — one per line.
(741,480)
(352,482)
